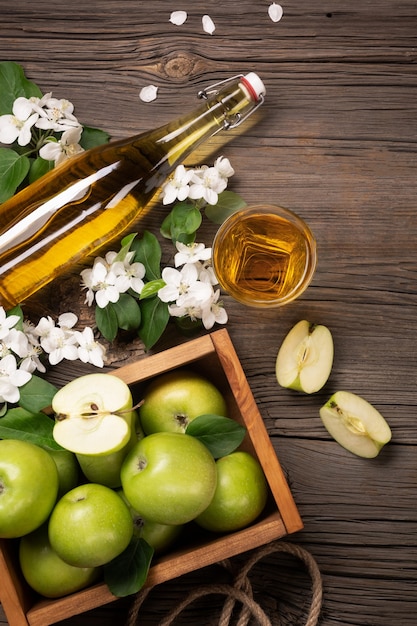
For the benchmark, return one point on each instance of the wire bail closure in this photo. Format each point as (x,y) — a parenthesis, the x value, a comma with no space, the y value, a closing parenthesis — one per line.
(213,90)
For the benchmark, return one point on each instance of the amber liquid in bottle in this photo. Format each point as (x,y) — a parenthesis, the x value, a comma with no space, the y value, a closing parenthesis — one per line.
(262,258)
(92,198)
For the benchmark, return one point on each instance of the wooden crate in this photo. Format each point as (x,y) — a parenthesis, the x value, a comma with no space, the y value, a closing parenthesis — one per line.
(214,356)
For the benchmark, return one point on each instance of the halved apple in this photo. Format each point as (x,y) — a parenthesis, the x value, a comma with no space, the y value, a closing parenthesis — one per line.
(92,414)
(355,424)
(305,358)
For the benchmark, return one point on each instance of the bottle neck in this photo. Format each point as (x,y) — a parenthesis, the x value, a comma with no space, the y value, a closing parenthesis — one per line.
(223,109)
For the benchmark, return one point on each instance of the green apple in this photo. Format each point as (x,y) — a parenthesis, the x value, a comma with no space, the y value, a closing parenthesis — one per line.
(159,536)
(305,358)
(68,470)
(105,468)
(240,495)
(169,478)
(46,572)
(28,487)
(89,526)
(91,414)
(355,424)
(172,400)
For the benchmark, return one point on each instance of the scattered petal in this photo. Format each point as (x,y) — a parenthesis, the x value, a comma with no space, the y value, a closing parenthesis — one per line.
(178,17)
(208,24)
(275,12)
(148,94)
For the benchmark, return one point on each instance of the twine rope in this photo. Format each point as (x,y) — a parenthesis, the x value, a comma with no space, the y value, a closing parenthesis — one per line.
(241,591)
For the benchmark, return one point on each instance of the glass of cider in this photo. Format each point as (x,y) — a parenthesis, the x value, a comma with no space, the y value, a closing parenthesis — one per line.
(264,255)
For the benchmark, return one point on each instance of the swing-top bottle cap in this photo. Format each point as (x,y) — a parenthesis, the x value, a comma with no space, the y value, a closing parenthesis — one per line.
(254,86)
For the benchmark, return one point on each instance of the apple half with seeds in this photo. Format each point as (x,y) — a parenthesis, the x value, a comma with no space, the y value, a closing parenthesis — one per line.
(355,424)
(92,414)
(305,358)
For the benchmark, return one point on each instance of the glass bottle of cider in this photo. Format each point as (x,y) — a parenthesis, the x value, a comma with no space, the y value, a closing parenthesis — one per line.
(93,197)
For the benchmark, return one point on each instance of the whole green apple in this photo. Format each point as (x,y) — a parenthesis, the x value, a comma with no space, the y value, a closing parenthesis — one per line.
(105,468)
(46,572)
(169,478)
(89,526)
(240,495)
(28,487)
(68,470)
(159,536)
(172,400)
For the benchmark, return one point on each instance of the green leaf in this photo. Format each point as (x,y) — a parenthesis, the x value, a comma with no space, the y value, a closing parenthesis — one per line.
(127,311)
(127,573)
(187,326)
(27,426)
(14,84)
(38,168)
(229,202)
(185,221)
(107,322)
(165,228)
(92,137)
(148,251)
(13,170)
(151,289)
(36,394)
(155,317)
(221,435)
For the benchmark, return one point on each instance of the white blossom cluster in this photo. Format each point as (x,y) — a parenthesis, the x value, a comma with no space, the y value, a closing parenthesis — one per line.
(190,290)
(21,350)
(49,115)
(203,183)
(109,277)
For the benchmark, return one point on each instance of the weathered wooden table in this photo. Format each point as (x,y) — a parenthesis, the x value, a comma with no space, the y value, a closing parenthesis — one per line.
(336,143)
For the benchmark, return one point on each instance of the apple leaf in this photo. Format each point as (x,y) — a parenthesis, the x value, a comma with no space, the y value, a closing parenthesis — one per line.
(155,317)
(127,573)
(36,428)
(127,311)
(36,394)
(228,203)
(92,137)
(13,84)
(106,320)
(148,252)
(221,435)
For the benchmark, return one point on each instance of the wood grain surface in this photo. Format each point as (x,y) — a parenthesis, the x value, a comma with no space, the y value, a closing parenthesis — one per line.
(336,143)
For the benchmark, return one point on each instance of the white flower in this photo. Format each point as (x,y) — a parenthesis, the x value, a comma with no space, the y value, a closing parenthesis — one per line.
(191,253)
(31,362)
(17,342)
(11,378)
(128,276)
(66,147)
(148,93)
(206,273)
(275,12)
(178,17)
(222,165)
(214,312)
(60,345)
(193,312)
(178,186)
(18,125)
(6,322)
(57,115)
(67,321)
(183,287)
(100,283)
(89,350)
(207,183)
(208,24)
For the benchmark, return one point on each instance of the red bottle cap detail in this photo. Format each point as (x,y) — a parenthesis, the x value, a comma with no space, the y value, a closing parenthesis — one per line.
(254,86)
